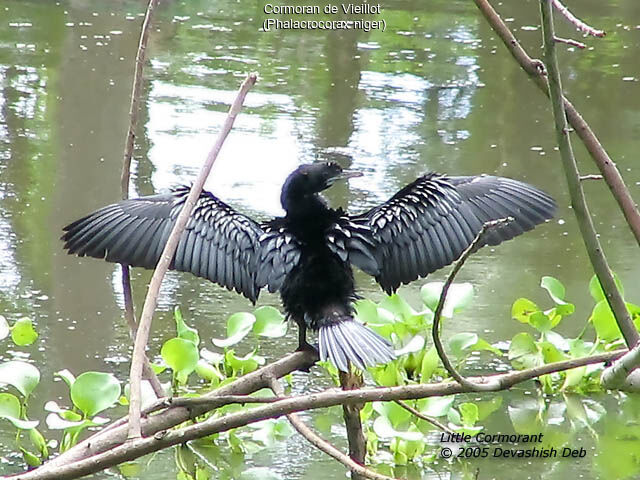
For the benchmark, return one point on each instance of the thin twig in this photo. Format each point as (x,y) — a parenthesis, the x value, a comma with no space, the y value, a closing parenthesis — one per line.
(141,56)
(607,167)
(579,24)
(435,329)
(100,452)
(436,423)
(570,41)
(321,444)
(151,299)
(590,177)
(129,313)
(578,201)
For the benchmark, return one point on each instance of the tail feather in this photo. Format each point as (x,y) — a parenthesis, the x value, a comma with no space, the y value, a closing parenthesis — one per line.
(348,341)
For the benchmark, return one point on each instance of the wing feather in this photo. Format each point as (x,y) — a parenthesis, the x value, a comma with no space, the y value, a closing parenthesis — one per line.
(430,222)
(218,243)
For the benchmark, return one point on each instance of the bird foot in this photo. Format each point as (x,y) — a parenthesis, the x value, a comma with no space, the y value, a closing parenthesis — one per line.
(307,347)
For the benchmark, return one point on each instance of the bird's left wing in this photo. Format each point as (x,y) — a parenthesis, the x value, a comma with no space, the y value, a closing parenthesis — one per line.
(430,222)
(218,243)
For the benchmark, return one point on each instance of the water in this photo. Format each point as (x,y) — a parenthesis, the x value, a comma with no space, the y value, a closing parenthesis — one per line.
(435,91)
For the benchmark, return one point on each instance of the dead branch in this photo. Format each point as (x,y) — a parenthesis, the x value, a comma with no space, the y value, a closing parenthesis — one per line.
(167,254)
(535,69)
(603,161)
(321,444)
(575,21)
(129,313)
(435,329)
(578,200)
(104,450)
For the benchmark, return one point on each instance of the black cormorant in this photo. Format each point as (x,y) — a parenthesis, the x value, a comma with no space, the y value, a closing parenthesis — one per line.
(307,255)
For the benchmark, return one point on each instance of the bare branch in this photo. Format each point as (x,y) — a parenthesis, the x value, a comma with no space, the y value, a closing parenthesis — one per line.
(590,177)
(435,329)
(570,41)
(439,425)
(599,155)
(579,24)
(578,201)
(129,313)
(167,254)
(321,444)
(105,450)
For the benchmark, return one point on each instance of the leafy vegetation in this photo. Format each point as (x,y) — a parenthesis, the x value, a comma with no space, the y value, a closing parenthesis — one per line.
(396,438)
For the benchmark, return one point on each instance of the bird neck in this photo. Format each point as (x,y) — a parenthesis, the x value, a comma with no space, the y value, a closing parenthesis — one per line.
(303,205)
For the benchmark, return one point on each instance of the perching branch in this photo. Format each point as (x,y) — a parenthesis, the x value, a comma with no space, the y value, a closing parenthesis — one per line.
(129,313)
(321,444)
(575,21)
(578,201)
(535,69)
(435,329)
(623,373)
(104,450)
(151,299)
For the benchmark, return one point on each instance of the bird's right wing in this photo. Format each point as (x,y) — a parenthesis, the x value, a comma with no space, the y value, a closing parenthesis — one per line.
(430,222)
(218,243)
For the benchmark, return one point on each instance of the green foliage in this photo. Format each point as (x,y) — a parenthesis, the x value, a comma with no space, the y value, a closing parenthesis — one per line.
(388,426)
(22,332)
(525,351)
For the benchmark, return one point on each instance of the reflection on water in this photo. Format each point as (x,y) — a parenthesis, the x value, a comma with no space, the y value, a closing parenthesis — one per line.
(435,91)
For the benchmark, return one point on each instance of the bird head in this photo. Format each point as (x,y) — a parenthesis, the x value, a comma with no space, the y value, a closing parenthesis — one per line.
(313,178)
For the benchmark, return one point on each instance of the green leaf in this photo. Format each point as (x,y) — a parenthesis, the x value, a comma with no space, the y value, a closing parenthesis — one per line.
(23,333)
(429,365)
(208,372)
(595,289)
(66,376)
(604,322)
(181,355)
(366,311)
(4,328)
(414,345)
(93,392)
(459,296)
(398,306)
(39,442)
(574,377)
(469,413)
(550,353)
(31,459)
(463,343)
(269,322)
(11,409)
(523,352)
(555,289)
(436,406)
(487,407)
(540,322)
(21,375)
(242,365)
(184,331)
(238,326)
(383,428)
(522,309)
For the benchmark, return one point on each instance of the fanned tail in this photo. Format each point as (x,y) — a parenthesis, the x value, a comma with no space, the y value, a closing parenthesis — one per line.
(347,341)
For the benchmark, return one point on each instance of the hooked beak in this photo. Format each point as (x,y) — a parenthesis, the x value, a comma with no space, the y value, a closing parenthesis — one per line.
(345,175)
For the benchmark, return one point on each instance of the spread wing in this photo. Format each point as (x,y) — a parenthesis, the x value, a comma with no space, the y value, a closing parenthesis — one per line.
(430,222)
(218,243)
